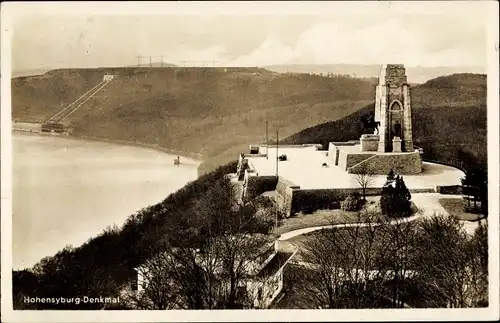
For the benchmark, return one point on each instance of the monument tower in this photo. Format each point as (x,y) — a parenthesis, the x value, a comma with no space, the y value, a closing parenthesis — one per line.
(393,110)
(390,146)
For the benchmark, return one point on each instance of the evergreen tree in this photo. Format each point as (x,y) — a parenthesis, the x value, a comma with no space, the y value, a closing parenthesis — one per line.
(475,184)
(395,199)
(390,177)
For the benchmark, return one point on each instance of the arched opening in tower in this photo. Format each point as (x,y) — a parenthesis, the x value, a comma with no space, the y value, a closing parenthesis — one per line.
(395,121)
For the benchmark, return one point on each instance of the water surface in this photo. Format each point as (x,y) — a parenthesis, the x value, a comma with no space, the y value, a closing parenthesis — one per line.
(67,190)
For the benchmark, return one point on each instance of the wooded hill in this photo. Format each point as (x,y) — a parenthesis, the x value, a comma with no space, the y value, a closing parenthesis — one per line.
(218,112)
(212,111)
(449,120)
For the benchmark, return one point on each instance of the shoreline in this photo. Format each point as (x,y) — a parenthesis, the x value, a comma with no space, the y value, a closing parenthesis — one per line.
(193,158)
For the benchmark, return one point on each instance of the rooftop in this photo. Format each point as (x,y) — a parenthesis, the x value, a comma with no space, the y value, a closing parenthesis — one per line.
(280,259)
(304,167)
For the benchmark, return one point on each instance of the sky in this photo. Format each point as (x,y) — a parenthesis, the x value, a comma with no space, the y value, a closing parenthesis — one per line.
(63,41)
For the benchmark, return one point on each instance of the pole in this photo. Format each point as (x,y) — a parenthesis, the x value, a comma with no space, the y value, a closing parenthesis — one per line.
(277,162)
(267,139)
(150,64)
(277,144)
(277,215)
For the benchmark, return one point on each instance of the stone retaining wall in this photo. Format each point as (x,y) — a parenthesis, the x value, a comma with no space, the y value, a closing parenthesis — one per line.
(292,199)
(354,159)
(257,185)
(310,200)
(450,189)
(404,164)
(27,126)
(285,189)
(342,159)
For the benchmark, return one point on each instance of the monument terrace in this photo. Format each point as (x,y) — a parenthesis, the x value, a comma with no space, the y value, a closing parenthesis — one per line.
(298,174)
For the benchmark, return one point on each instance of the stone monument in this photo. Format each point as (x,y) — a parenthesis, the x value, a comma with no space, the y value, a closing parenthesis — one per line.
(390,146)
(393,109)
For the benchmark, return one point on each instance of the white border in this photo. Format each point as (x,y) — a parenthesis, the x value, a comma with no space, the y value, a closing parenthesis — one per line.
(488,9)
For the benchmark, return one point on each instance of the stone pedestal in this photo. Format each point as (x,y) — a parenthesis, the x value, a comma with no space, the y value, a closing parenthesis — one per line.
(396,145)
(369,142)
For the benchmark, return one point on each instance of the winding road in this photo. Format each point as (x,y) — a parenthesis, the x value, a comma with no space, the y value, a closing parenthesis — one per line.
(427,204)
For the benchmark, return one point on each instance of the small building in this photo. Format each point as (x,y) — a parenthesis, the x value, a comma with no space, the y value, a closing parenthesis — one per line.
(108,77)
(53,127)
(263,275)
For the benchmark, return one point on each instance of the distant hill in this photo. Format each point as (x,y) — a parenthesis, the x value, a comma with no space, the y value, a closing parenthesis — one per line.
(41,71)
(28,72)
(449,119)
(417,74)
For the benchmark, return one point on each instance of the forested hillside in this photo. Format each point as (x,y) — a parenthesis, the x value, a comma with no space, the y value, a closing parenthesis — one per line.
(213,111)
(218,112)
(449,119)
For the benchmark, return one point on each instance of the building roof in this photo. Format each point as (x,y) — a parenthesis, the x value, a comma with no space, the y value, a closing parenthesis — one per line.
(266,245)
(278,261)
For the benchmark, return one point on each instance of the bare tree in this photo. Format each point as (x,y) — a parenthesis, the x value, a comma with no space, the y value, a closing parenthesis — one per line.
(399,241)
(210,271)
(345,264)
(444,262)
(209,278)
(158,289)
(364,177)
(479,265)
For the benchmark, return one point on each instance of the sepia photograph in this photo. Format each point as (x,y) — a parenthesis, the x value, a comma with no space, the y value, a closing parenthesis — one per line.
(204,161)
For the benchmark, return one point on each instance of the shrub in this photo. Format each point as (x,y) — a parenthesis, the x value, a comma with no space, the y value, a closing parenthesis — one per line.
(351,203)
(282,157)
(334,205)
(309,209)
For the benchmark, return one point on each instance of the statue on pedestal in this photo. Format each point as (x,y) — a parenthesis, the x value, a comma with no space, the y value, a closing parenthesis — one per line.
(369,122)
(397,129)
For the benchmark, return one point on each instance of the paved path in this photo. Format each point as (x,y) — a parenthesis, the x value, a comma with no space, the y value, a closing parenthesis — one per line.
(299,232)
(427,203)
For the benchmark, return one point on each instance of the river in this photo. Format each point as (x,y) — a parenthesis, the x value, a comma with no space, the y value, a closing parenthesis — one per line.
(66,190)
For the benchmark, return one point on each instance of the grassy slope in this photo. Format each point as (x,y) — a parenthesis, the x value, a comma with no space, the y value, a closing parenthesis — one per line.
(206,111)
(449,114)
